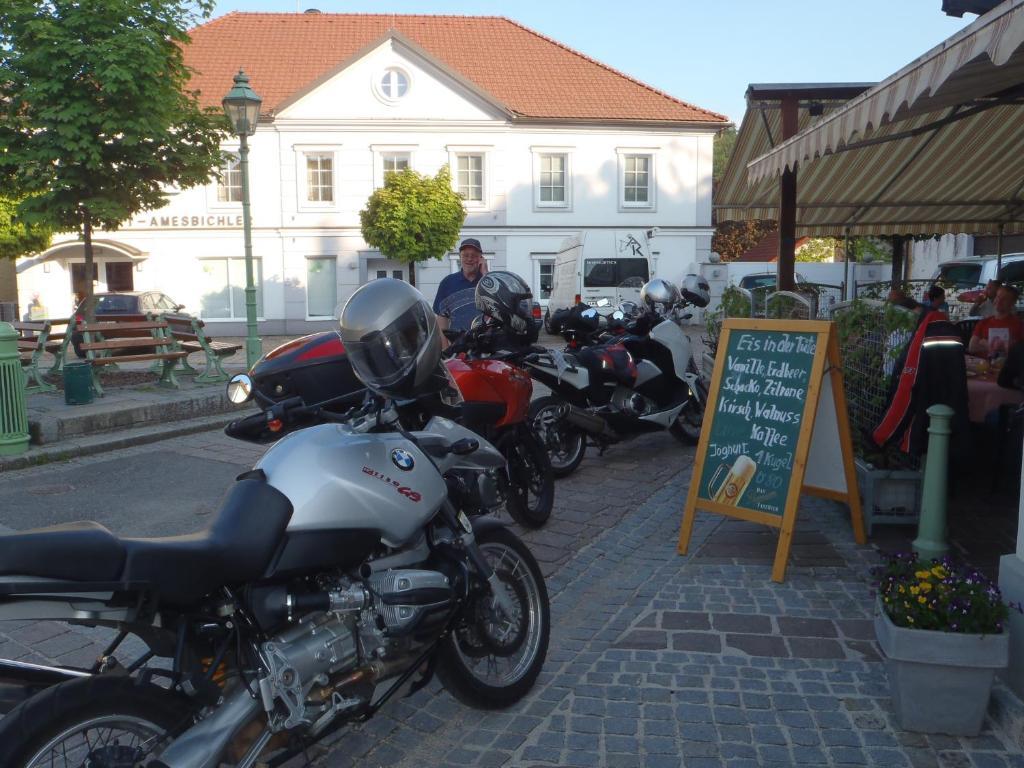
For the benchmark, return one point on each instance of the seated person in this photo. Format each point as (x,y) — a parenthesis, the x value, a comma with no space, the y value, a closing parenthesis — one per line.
(898,297)
(985,306)
(1011,375)
(935,300)
(994,335)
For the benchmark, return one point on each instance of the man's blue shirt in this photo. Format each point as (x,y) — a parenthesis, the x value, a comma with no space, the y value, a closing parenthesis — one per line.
(455,300)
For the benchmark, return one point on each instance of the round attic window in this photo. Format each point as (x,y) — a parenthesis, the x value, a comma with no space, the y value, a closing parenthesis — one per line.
(393,84)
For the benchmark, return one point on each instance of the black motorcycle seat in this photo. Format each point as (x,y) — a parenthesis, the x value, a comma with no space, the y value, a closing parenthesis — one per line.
(84,551)
(236,548)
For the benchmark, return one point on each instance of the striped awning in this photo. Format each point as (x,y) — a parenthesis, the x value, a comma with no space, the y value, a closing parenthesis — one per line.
(936,148)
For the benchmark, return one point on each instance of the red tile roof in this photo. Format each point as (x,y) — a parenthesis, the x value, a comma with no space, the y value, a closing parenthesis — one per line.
(533,76)
(768,249)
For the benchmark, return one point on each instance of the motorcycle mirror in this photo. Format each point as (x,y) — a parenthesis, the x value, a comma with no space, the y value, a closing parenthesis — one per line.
(464,447)
(240,389)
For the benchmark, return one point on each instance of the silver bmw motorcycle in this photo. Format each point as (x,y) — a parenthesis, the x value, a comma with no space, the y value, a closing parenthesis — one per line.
(342,570)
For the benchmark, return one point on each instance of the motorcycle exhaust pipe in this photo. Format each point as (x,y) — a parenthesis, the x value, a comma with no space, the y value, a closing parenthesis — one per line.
(202,744)
(593,425)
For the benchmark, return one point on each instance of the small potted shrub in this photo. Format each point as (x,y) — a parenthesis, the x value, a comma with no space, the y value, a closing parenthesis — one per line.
(942,627)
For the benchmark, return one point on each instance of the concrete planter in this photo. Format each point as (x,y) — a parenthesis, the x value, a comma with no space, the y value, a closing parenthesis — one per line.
(940,681)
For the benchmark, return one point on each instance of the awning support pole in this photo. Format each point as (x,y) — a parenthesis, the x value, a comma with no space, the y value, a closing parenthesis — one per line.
(787,202)
(897,262)
(999,251)
(850,289)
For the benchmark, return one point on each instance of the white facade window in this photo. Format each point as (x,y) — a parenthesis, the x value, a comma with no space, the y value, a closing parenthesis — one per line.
(544,273)
(393,84)
(469,177)
(394,161)
(229,185)
(389,158)
(636,179)
(320,177)
(552,179)
(321,286)
(222,288)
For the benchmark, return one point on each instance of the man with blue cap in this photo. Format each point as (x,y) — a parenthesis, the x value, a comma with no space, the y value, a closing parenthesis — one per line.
(454,303)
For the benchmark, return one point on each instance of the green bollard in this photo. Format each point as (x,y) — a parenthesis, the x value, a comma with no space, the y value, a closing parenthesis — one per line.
(931,527)
(13,414)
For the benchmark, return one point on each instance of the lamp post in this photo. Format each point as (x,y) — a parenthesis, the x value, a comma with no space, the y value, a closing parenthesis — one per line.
(242,107)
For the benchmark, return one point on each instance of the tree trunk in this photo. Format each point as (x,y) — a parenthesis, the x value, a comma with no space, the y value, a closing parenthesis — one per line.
(87,247)
(412,273)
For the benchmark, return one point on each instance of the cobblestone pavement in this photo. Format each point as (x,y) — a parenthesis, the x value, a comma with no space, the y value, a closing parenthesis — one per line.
(656,660)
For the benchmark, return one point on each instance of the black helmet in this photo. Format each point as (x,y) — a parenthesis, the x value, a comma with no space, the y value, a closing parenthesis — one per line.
(392,340)
(696,290)
(658,291)
(505,296)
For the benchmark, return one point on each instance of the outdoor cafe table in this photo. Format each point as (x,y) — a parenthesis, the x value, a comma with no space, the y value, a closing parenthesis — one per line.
(984,395)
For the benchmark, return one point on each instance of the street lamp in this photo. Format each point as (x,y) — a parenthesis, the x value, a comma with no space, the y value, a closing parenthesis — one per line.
(242,107)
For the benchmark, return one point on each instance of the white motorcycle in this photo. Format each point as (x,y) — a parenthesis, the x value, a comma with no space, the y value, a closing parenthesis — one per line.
(643,381)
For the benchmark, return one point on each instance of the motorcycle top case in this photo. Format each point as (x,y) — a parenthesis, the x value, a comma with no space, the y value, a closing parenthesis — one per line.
(337,480)
(314,367)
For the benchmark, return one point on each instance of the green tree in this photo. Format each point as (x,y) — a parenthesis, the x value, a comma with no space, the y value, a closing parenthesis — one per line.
(95,118)
(819,249)
(18,238)
(724,143)
(734,238)
(413,217)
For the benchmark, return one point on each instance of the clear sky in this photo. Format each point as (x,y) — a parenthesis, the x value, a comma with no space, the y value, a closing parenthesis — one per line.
(705,52)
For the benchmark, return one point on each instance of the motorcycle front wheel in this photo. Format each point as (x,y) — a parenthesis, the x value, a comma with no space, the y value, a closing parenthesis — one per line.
(491,660)
(94,721)
(565,444)
(688,423)
(532,483)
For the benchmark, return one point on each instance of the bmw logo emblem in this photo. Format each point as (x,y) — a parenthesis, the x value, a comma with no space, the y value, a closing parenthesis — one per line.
(402,459)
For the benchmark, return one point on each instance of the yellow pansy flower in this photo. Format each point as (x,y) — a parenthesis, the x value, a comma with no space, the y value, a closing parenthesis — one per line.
(922,574)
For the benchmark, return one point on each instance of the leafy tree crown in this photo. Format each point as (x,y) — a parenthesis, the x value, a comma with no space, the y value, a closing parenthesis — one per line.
(413,217)
(95,118)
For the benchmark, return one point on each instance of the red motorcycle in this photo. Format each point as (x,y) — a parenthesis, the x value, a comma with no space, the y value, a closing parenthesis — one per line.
(496,400)
(496,406)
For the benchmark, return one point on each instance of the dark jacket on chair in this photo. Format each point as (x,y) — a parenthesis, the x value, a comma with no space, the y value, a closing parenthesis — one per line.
(930,371)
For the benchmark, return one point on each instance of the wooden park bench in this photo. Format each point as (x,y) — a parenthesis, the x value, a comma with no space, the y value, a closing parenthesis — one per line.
(110,342)
(189,335)
(33,340)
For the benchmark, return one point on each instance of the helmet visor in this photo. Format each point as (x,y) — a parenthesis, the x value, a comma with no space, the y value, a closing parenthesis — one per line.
(382,358)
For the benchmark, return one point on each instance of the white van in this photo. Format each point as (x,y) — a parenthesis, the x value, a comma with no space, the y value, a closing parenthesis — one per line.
(600,264)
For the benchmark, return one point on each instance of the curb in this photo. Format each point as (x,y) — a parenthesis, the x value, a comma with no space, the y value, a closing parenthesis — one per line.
(86,446)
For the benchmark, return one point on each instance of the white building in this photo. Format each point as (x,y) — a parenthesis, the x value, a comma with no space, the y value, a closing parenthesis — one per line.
(542,141)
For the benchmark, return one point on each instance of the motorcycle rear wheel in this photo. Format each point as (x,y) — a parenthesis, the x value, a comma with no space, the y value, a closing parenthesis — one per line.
(688,423)
(490,661)
(532,492)
(565,444)
(97,721)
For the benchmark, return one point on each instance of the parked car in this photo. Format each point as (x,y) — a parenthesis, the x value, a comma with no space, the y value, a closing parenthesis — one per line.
(114,305)
(764,280)
(971,275)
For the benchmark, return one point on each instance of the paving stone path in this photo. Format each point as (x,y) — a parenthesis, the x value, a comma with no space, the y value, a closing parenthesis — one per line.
(660,661)
(656,659)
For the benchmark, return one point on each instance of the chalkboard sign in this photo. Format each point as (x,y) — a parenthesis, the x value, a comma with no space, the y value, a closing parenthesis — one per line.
(760,421)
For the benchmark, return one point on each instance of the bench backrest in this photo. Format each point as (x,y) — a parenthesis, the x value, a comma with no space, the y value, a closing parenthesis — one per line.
(185,328)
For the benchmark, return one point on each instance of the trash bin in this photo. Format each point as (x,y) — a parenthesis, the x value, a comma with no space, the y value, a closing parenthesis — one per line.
(13,414)
(78,382)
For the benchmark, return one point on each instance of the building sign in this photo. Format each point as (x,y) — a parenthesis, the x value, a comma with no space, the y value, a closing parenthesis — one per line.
(204,221)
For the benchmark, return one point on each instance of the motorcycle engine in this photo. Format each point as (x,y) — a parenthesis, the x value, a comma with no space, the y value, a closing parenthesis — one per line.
(364,637)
